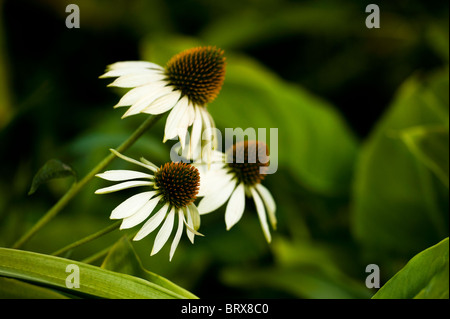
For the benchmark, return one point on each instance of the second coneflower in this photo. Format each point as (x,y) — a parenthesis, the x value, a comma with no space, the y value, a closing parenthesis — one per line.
(185,86)
(174,186)
(234,175)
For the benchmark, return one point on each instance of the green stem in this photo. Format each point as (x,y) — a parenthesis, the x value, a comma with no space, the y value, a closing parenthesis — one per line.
(87,239)
(63,201)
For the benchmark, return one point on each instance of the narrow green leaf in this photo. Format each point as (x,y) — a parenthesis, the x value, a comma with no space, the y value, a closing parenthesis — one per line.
(52,169)
(94,281)
(123,258)
(425,276)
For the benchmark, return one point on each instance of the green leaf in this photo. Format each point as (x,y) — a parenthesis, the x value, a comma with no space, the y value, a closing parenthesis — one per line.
(399,206)
(425,276)
(17,289)
(431,146)
(94,281)
(52,169)
(123,258)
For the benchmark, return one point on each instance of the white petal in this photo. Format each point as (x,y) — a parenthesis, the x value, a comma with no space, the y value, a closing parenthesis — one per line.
(196,135)
(134,95)
(122,186)
(195,216)
(141,214)
(177,237)
(164,102)
(152,223)
(134,80)
(174,118)
(131,205)
(261,214)
(269,202)
(235,207)
(122,175)
(129,159)
(164,233)
(142,105)
(212,181)
(189,223)
(214,200)
(207,135)
(184,124)
(134,65)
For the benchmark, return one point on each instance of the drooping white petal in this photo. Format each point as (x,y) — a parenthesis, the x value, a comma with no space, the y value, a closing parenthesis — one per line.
(214,139)
(152,223)
(269,202)
(195,215)
(184,124)
(158,91)
(129,159)
(122,175)
(164,232)
(149,91)
(134,65)
(214,200)
(235,206)
(131,205)
(141,214)
(122,186)
(174,118)
(261,214)
(189,224)
(134,80)
(177,237)
(196,134)
(163,102)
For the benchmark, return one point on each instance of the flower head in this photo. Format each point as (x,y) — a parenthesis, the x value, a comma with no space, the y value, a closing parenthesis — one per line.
(174,186)
(190,80)
(235,174)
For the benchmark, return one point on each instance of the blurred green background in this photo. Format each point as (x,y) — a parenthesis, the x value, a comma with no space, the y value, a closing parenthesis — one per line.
(362,116)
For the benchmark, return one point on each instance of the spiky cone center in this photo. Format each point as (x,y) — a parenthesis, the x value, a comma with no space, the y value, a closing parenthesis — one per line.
(178,183)
(248,160)
(198,73)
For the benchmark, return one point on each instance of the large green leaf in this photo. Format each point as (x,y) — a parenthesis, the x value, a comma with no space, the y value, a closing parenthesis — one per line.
(425,276)
(399,205)
(122,258)
(94,281)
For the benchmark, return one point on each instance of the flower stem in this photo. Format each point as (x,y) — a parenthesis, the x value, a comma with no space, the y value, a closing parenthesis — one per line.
(76,187)
(87,239)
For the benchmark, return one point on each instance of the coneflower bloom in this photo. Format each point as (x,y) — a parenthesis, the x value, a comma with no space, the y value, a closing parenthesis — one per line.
(233,176)
(185,86)
(174,186)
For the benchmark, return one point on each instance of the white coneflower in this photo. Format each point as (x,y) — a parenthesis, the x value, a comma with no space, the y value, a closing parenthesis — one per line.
(174,185)
(234,175)
(190,80)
